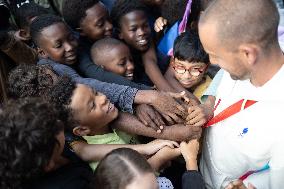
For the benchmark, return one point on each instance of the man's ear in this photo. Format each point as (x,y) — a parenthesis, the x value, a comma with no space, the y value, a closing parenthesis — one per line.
(249,53)
(81,131)
(41,52)
(22,35)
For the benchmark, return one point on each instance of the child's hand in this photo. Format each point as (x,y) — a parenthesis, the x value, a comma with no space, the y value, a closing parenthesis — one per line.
(150,117)
(189,150)
(238,184)
(159,24)
(199,115)
(169,108)
(156,145)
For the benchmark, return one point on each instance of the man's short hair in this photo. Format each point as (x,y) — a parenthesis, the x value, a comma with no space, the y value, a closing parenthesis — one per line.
(243,21)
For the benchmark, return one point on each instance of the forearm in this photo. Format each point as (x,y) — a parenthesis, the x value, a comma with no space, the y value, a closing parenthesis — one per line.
(130,124)
(191,164)
(96,152)
(154,73)
(156,163)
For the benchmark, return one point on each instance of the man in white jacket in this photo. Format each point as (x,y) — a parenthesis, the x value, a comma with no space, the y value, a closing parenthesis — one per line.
(246,134)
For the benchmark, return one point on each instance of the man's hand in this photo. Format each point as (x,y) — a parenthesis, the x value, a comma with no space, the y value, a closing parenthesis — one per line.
(238,184)
(150,117)
(199,115)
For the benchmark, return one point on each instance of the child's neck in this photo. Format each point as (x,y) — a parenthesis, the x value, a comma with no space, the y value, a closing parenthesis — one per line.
(101,131)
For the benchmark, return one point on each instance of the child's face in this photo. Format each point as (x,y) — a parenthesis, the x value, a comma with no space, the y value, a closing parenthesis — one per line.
(92,109)
(135,30)
(187,73)
(143,181)
(58,43)
(56,154)
(118,60)
(96,25)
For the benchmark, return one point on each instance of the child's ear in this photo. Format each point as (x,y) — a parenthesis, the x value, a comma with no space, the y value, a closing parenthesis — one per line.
(81,131)
(41,52)
(22,35)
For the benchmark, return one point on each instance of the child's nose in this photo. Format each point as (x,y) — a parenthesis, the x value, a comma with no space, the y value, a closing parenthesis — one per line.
(109,26)
(68,47)
(130,65)
(141,32)
(102,99)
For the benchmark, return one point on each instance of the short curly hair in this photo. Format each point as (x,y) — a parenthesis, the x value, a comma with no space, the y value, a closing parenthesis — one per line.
(61,95)
(74,11)
(28,130)
(29,80)
(123,7)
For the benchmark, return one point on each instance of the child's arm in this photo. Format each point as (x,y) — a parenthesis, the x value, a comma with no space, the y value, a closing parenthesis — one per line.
(150,117)
(189,152)
(164,103)
(130,124)
(191,178)
(163,156)
(149,59)
(95,152)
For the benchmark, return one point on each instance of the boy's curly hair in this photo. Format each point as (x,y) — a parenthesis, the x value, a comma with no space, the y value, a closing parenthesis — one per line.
(29,80)
(28,130)
(123,7)
(74,11)
(60,95)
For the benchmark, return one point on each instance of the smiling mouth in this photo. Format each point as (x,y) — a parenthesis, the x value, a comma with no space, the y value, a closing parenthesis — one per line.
(129,75)
(143,42)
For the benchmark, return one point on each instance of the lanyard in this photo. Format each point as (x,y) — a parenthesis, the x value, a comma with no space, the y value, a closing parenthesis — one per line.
(228,112)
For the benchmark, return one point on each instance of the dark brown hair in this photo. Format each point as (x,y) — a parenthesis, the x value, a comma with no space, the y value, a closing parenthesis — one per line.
(119,168)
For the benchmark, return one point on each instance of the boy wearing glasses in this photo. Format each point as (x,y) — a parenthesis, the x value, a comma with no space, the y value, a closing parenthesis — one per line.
(190,63)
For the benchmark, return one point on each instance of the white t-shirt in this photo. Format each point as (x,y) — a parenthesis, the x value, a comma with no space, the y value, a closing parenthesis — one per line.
(249,139)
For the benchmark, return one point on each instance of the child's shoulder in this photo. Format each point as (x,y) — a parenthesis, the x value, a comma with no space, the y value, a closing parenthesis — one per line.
(202,87)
